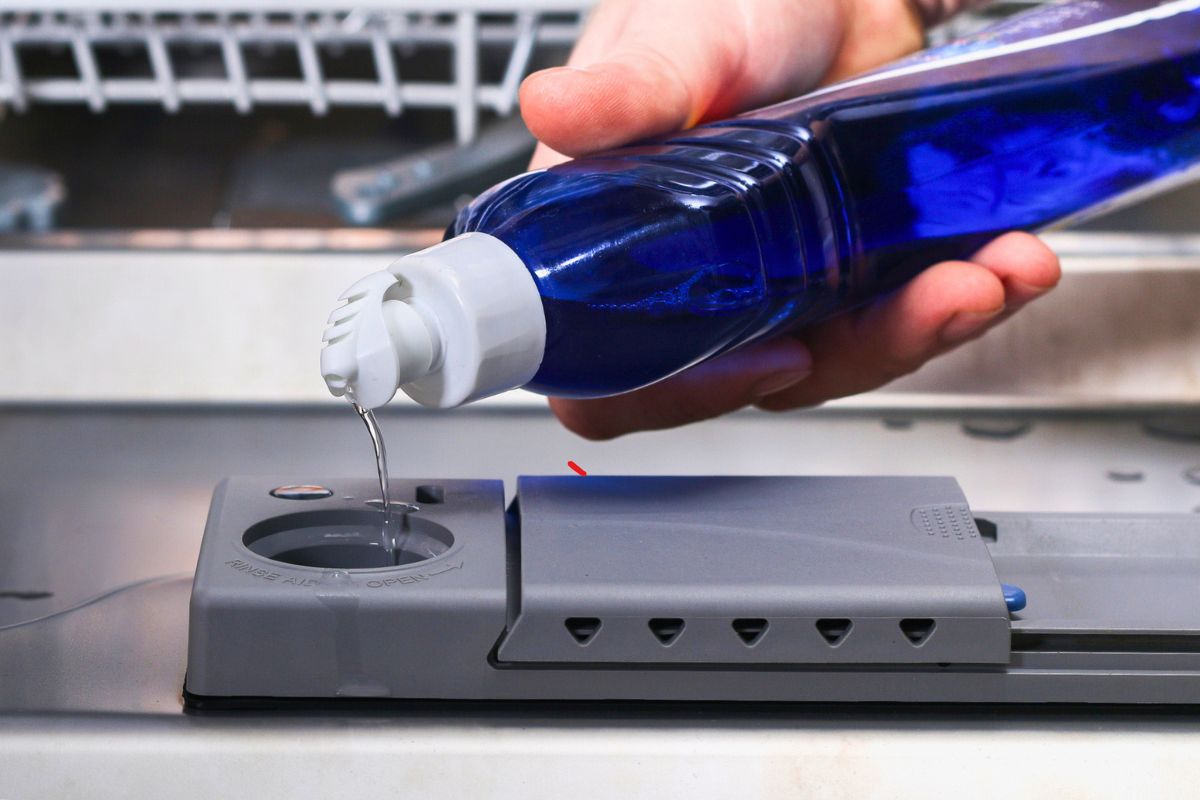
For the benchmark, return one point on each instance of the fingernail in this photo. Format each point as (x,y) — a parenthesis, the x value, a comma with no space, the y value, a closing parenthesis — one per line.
(778,382)
(966,324)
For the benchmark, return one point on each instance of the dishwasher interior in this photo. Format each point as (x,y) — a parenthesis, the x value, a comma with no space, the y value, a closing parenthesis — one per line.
(259,113)
(212,181)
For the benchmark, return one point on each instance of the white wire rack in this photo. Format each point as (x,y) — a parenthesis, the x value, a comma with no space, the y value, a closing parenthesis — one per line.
(169,38)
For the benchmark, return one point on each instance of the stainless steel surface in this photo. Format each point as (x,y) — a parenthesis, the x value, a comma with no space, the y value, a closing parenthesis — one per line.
(649,754)
(102,507)
(223,317)
(94,498)
(196,332)
(173,242)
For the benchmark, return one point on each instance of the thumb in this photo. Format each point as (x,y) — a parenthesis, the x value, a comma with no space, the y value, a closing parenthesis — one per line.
(644,67)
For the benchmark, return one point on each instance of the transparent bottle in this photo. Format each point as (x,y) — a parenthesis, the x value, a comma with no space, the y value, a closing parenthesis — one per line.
(645,260)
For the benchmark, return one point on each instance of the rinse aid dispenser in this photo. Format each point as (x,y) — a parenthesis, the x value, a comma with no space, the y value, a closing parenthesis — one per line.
(684,588)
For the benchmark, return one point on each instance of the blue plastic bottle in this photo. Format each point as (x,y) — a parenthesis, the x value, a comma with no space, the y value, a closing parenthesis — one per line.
(651,258)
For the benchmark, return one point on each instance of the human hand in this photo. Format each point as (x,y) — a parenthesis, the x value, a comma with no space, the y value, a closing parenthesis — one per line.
(644,67)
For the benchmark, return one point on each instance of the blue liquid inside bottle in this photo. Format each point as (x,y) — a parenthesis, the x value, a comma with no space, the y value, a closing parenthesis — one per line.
(654,257)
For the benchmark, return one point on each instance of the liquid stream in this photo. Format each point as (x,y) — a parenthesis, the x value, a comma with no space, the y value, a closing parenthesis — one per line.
(387,532)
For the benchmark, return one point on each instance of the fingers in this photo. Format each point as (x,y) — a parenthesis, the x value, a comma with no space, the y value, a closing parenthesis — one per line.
(708,390)
(948,304)
(644,67)
(1026,266)
(878,31)
(943,307)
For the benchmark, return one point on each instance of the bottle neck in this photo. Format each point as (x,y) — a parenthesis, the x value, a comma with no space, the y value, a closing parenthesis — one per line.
(447,325)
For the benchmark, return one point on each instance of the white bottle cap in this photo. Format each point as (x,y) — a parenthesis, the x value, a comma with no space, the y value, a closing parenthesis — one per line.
(450,324)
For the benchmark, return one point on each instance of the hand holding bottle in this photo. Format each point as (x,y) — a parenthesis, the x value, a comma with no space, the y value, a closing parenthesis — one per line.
(645,67)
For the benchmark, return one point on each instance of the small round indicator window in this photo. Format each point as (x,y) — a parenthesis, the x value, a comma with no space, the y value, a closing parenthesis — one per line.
(301,492)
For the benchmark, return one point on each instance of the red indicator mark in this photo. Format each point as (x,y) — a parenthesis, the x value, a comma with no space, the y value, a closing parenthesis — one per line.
(577,468)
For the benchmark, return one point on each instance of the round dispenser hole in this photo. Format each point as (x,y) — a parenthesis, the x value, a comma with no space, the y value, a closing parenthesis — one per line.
(346,539)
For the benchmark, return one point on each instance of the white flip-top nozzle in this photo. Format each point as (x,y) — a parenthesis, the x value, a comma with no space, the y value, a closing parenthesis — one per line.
(449,324)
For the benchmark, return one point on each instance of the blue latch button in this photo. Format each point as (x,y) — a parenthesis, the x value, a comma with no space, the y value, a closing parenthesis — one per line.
(1014,597)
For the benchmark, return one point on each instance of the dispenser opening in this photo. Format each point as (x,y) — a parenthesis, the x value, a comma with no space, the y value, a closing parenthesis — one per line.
(346,539)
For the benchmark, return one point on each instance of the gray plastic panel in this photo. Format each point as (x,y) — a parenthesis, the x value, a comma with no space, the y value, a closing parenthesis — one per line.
(287,601)
(1098,574)
(626,550)
(810,570)
(259,626)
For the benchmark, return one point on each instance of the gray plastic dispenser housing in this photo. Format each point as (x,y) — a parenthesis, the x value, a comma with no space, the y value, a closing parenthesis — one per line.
(657,588)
